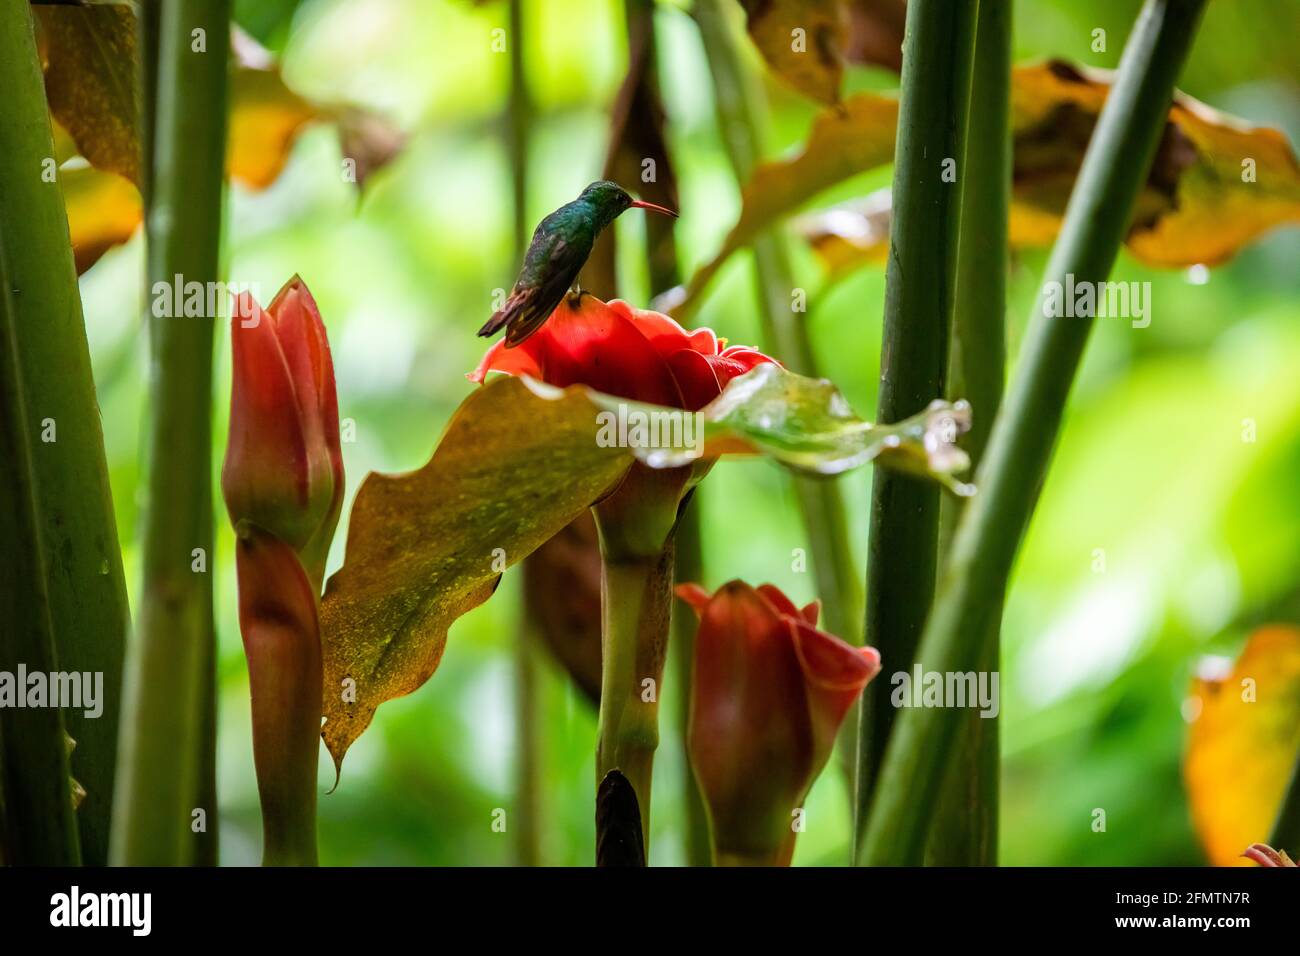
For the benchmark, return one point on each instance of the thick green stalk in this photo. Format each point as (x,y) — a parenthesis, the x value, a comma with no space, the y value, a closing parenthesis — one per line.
(920,282)
(40,827)
(528,766)
(821,504)
(1024,434)
(83,565)
(169,743)
(964,831)
(689,568)
(1286,828)
(636,525)
(636,595)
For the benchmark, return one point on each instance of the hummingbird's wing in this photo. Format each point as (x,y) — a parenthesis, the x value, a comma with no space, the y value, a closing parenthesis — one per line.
(552,264)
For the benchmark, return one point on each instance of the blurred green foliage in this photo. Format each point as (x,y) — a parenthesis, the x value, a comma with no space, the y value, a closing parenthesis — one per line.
(1162,534)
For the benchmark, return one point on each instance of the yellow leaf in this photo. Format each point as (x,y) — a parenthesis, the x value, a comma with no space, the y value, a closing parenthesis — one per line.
(1243,743)
(90,81)
(801,40)
(1202,201)
(856,136)
(265,119)
(1215,185)
(103,211)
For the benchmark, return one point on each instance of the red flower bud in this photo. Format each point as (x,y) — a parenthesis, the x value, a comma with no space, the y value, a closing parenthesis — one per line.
(284,468)
(631,353)
(768,696)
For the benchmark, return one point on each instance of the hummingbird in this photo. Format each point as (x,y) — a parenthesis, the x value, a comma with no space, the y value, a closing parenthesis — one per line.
(559,248)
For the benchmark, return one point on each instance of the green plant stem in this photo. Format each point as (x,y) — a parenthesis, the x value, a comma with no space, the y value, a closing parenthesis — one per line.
(1019,450)
(964,831)
(170,745)
(636,596)
(82,562)
(40,827)
(920,281)
(689,568)
(821,503)
(527,712)
(1286,828)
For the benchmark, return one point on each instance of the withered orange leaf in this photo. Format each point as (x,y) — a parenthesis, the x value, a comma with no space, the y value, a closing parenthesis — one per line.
(103,211)
(1244,736)
(802,41)
(265,119)
(90,81)
(875,34)
(1216,183)
(854,137)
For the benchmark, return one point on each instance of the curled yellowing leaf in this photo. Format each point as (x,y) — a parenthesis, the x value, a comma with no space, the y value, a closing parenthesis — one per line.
(90,83)
(103,211)
(1216,183)
(802,41)
(1244,736)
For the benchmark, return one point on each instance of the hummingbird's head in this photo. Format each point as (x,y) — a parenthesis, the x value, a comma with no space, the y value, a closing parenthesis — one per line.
(610,200)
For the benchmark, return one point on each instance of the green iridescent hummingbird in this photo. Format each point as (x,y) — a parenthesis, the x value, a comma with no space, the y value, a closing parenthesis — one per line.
(559,248)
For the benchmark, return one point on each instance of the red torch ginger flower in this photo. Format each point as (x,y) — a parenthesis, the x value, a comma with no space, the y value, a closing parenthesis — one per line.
(768,696)
(631,353)
(283,470)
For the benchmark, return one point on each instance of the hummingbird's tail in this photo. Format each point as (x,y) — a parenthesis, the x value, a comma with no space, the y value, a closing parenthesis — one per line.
(495,324)
(524,312)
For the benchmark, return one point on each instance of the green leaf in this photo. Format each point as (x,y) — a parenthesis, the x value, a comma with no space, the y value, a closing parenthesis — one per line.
(520,461)
(806,425)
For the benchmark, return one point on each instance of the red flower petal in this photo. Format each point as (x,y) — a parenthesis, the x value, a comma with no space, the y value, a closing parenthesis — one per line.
(593,345)
(835,673)
(736,361)
(266,452)
(662,331)
(696,378)
(776,597)
(694,595)
(811,611)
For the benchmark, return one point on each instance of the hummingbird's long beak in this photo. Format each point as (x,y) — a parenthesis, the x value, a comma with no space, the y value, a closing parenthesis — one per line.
(641,204)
